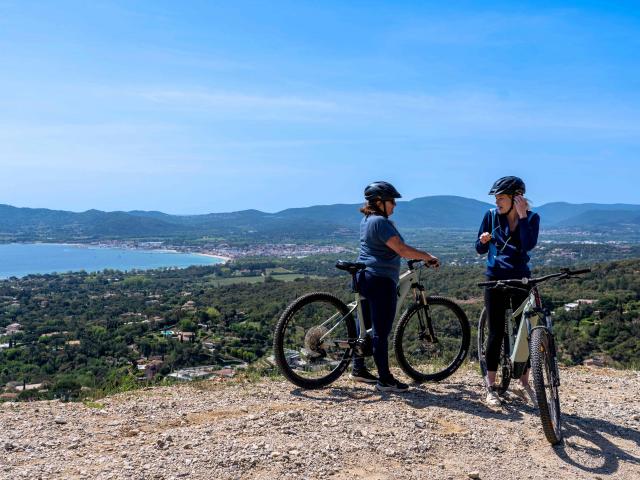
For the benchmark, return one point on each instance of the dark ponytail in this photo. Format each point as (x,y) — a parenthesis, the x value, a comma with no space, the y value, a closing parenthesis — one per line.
(370,208)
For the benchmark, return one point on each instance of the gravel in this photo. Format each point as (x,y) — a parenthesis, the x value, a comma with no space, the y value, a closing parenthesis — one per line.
(271,429)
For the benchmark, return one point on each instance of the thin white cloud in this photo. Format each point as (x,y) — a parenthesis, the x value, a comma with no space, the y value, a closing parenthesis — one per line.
(452,114)
(231,100)
(15,129)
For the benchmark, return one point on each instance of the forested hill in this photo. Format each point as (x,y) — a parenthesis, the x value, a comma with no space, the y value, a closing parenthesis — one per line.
(316,222)
(92,330)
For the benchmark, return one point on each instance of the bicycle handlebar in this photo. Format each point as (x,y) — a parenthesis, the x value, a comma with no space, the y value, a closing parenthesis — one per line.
(579,272)
(516,283)
(412,263)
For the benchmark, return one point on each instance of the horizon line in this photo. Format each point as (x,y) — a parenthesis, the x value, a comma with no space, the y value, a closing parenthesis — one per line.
(297,207)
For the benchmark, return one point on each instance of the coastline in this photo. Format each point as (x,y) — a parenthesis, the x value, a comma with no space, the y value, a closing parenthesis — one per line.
(20,266)
(211,255)
(125,247)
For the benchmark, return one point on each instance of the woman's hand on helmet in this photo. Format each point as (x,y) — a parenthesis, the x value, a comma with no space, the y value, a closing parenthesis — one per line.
(520,205)
(485,238)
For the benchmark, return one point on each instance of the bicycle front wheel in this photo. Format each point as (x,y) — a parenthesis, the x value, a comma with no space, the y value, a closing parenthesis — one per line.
(503,375)
(546,383)
(431,341)
(311,340)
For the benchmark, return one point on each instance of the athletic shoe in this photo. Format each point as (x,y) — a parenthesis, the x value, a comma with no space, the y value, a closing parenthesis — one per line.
(526,393)
(363,376)
(391,385)
(492,399)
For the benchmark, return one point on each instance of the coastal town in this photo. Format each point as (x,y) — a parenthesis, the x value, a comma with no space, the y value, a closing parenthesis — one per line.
(226,252)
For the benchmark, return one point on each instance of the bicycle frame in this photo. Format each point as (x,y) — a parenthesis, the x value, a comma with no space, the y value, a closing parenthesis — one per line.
(408,281)
(532,316)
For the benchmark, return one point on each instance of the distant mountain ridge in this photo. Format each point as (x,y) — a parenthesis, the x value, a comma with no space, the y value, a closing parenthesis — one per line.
(320,221)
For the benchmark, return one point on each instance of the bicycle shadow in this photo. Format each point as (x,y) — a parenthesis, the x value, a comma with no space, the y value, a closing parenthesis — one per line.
(338,394)
(586,447)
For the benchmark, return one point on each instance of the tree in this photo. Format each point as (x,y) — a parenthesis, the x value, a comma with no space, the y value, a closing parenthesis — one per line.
(67,388)
(187,325)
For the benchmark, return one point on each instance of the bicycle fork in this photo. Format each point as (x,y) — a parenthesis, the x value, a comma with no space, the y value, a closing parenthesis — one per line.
(552,347)
(424,319)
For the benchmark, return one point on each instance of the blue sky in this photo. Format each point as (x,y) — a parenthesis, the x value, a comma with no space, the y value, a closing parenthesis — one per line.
(202,106)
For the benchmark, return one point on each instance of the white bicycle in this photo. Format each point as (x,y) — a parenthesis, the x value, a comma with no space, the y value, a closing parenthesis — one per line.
(316,336)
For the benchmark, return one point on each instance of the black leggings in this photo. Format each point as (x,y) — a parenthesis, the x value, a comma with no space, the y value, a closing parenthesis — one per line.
(382,297)
(496,302)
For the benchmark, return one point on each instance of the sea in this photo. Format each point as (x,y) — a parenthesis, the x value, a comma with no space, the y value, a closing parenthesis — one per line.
(20,259)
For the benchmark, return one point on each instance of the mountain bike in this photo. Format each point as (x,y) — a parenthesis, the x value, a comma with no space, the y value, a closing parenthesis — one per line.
(528,335)
(316,336)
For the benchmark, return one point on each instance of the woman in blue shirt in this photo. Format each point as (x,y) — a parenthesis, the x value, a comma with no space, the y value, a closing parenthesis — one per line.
(381,247)
(507,233)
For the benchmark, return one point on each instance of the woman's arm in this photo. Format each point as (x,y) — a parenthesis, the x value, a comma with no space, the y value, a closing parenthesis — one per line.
(529,228)
(484,235)
(407,251)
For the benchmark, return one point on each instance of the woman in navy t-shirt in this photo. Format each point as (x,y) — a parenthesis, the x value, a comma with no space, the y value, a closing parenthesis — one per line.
(381,247)
(506,235)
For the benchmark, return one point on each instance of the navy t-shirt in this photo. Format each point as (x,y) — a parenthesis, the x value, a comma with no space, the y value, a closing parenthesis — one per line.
(508,250)
(375,231)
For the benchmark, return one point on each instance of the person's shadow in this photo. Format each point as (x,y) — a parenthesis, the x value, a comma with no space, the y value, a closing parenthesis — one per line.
(453,396)
(459,396)
(586,447)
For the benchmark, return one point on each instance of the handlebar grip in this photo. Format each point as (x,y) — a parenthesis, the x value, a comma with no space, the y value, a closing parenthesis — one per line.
(579,272)
(486,284)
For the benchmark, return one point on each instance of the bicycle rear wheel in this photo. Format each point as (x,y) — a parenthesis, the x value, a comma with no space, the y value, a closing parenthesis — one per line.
(431,341)
(546,383)
(503,374)
(310,343)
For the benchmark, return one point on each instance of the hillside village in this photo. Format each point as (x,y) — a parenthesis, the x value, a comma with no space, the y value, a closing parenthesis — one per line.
(84,335)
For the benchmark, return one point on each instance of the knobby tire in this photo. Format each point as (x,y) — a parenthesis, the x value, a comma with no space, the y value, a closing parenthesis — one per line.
(318,298)
(417,372)
(542,365)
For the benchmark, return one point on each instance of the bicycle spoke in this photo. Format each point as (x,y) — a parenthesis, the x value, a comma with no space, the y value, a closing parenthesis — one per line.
(431,341)
(310,347)
(311,344)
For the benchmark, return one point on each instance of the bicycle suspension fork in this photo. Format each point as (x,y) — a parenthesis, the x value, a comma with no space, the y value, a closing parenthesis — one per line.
(424,319)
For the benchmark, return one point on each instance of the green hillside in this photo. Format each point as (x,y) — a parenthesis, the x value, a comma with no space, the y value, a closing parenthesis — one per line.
(93,330)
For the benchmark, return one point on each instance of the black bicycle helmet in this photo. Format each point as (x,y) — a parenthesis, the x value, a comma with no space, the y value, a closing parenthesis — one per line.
(508,186)
(380,190)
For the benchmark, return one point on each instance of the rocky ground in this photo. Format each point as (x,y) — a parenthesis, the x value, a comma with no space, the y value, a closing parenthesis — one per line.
(269,430)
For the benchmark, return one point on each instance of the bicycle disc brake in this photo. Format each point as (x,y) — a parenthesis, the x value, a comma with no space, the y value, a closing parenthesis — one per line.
(313,342)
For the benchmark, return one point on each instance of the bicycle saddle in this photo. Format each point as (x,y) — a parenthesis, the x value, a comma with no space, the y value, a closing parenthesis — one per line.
(351,267)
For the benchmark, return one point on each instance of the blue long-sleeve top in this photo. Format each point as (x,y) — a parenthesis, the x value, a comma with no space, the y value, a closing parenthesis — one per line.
(508,250)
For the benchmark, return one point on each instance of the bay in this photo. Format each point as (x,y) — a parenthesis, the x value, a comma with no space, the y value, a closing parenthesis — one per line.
(20,259)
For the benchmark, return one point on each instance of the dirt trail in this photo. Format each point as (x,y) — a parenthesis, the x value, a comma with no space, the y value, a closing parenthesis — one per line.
(273,430)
